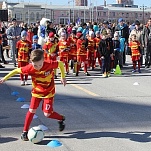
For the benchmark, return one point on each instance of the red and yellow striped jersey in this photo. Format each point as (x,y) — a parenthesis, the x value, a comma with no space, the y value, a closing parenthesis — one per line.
(134,45)
(23,50)
(42,80)
(73,47)
(63,48)
(81,50)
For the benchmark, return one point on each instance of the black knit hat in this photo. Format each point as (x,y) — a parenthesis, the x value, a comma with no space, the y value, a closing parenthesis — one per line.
(14,19)
(137,22)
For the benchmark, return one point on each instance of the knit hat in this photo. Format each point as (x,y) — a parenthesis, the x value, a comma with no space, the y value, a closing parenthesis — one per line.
(35,37)
(137,22)
(51,35)
(105,22)
(23,33)
(120,20)
(14,19)
(79,35)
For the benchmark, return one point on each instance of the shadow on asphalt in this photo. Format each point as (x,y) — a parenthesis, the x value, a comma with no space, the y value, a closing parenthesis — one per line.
(81,113)
(7,139)
(142,137)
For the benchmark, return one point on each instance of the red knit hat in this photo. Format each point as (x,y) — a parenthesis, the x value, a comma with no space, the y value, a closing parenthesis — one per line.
(51,35)
(79,35)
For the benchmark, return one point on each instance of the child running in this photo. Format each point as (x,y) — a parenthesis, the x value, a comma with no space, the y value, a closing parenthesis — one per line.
(42,74)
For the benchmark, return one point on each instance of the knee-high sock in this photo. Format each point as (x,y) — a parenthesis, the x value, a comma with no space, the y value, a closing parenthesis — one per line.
(67,66)
(78,67)
(28,119)
(139,64)
(26,77)
(134,65)
(85,67)
(55,115)
(22,77)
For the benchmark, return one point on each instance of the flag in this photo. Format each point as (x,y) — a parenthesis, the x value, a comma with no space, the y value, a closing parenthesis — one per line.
(78,21)
(68,22)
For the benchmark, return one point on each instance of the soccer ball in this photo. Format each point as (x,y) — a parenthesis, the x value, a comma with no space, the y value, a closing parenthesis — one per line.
(35,134)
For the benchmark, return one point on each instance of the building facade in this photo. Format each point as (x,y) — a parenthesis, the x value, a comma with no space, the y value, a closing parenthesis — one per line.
(30,13)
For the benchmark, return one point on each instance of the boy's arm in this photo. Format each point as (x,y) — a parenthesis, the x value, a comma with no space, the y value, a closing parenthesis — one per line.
(61,67)
(12,73)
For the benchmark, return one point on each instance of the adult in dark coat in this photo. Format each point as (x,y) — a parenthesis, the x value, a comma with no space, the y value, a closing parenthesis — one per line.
(123,31)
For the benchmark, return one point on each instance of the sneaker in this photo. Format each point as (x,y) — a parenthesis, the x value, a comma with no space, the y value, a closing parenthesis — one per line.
(139,71)
(24,136)
(87,74)
(146,66)
(22,83)
(26,83)
(62,124)
(108,74)
(104,75)
(133,71)
(55,77)
(67,73)
(5,62)
(77,74)
(1,66)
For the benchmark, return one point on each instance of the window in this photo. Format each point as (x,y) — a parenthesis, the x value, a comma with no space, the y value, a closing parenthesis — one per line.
(48,16)
(42,15)
(37,16)
(104,14)
(18,16)
(32,16)
(61,21)
(127,15)
(26,16)
(113,14)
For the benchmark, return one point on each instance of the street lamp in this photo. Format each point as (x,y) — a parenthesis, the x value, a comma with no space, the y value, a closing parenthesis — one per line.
(143,8)
(70,10)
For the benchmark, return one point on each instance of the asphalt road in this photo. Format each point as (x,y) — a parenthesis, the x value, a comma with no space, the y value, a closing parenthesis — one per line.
(102,114)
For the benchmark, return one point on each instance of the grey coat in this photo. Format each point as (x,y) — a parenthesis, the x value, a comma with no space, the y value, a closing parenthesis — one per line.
(13,31)
(145,33)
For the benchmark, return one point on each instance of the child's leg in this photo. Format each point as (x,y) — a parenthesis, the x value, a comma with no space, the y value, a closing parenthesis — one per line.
(134,65)
(139,64)
(47,108)
(29,116)
(85,66)
(21,77)
(26,77)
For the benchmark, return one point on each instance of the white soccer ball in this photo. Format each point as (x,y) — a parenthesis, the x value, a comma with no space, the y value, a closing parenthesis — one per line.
(35,134)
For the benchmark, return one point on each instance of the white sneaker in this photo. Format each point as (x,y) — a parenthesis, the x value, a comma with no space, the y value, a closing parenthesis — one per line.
(26,83)
(22,83)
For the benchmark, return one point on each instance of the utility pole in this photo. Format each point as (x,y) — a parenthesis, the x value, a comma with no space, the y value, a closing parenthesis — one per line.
(84,10)
(73,10)
(96,12)
(143,8)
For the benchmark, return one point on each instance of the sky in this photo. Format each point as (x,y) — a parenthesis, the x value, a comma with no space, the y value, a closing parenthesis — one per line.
(136,2)
(99,2)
